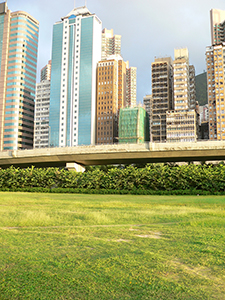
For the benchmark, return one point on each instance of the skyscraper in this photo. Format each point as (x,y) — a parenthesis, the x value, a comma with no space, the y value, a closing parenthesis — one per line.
(107,101)
(192,87)
(111,44)
(18,52)
(217,18)
(182,123)
(76,50)
(181,79)
(41,114)
(215,63)
(131,87)
(111,97)
(46,71)
(162,88)
(121,83)
(147,101)
(215,59)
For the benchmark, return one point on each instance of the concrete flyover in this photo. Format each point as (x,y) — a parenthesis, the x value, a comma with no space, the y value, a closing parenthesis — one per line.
(115,154)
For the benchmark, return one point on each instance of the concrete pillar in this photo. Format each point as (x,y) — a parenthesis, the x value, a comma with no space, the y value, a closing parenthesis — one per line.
(76,167)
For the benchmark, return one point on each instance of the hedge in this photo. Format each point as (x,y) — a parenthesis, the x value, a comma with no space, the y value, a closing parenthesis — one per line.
(152,179)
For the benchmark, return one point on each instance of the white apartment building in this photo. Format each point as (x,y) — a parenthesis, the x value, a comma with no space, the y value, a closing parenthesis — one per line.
(41,116)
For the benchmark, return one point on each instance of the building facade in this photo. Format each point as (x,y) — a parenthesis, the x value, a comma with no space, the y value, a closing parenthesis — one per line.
(111,44)
(133,125)
(131,86)
(162,97)
(215,60)
(46,71)
(76,50)
(41,117)
(181,79)
(41,114)
(204,113)
(182,126)
(107,101)
(147,101)
(183,121)
(217,18)
(19,33)
(192,87)
(121,83)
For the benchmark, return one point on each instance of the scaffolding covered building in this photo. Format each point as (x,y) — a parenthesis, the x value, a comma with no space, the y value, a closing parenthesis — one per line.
(133,125)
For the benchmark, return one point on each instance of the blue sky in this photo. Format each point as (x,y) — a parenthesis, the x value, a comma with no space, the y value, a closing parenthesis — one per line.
(149,28)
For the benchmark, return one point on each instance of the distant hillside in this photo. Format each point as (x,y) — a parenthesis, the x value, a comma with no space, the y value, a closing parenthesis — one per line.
(201,88)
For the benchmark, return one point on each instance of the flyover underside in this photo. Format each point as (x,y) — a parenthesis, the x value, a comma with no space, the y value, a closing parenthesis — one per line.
(115,158)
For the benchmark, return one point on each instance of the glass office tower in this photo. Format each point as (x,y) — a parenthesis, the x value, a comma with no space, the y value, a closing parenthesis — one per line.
(76,50)
(18,63)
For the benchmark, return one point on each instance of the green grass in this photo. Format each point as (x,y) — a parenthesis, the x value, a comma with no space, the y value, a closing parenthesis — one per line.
(57,246)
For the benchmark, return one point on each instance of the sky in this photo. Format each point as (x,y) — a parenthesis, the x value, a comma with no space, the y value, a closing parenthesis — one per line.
(149,29)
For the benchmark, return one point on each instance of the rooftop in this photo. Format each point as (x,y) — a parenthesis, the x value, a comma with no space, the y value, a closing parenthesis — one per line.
(78,11)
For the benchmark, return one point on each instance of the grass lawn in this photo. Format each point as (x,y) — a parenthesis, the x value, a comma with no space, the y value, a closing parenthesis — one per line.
(56,246)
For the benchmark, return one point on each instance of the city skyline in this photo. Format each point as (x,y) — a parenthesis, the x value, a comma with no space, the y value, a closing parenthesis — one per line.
(155,32)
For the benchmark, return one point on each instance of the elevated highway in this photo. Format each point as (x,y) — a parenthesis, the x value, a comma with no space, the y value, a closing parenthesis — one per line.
(115,154)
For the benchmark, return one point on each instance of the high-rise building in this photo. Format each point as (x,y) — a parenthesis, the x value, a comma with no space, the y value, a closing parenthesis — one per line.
(217,18)
(182,123)
(76,50)
(107,101)
(131,87)
(181,79)
(111,97)
(162,101)
(204,131)
(18,52)
(111,44)
(46,71)
(192,87)
(182,126)
(121,83)
(215,60)
(147,101)
(41,116)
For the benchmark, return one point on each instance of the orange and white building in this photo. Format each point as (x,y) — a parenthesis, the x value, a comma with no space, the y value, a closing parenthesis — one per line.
(111,96)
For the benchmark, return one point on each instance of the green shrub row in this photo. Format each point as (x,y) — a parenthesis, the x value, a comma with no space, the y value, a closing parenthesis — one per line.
(152,178)
(110,192)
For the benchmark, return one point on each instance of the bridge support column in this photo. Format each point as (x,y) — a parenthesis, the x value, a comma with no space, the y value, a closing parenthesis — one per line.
(76,167)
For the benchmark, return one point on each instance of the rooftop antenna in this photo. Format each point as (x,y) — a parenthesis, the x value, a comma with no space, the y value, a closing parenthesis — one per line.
(85,3)
(74,3)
